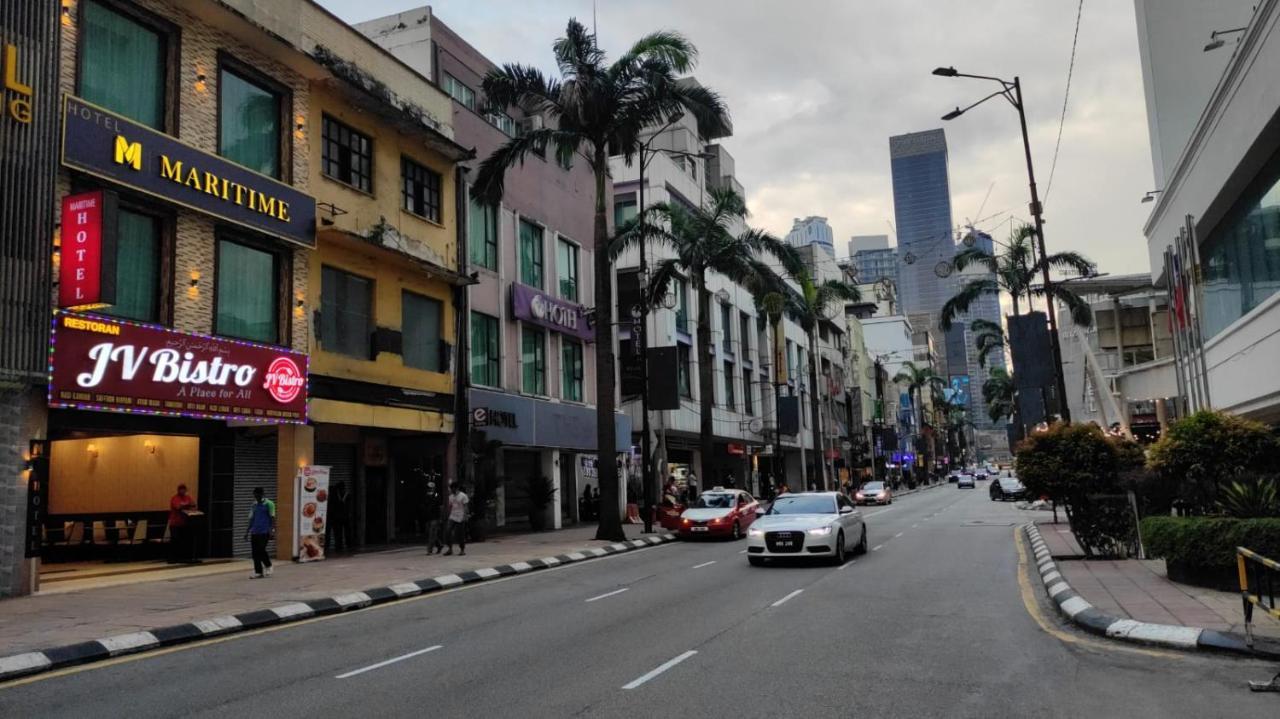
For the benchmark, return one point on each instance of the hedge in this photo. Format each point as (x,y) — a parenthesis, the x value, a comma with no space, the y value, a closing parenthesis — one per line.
(1209,542)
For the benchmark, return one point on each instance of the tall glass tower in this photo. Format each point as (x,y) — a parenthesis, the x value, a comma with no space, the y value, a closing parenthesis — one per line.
(922,210)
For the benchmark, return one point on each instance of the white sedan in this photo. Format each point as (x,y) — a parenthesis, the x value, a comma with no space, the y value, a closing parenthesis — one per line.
(807,524)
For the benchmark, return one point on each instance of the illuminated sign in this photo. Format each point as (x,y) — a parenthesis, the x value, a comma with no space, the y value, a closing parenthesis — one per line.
(17,95)
(537,307)
(101,143)
(106,364)
(87,265)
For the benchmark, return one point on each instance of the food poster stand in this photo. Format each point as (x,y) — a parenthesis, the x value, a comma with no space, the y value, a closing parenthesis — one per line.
(313,513)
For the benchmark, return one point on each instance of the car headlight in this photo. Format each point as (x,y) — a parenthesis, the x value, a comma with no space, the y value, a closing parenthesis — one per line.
(753,532)
(820,531)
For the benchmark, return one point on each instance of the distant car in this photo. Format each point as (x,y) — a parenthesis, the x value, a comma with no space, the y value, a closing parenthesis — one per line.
(718,513)
(980,474)
(1007,488)
(966,481)
(953,477)
(807,524)
(873,493)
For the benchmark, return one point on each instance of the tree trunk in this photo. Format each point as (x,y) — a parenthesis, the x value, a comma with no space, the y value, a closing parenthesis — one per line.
(706,375)
(820,467)
(610,528)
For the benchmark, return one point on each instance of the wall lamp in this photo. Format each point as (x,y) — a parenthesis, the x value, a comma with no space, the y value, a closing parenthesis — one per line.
(92,450)
(1215,37)
(1151,195)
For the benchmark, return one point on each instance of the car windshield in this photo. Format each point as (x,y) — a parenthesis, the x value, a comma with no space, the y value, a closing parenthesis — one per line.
(714,501)
(803,504)
(1010,483)
(873,486)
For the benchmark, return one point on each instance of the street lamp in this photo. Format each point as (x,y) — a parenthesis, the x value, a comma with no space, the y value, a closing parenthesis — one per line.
(645,302)
(1012,91)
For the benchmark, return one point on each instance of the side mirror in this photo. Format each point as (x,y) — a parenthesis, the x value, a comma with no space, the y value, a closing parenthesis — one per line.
(846,510)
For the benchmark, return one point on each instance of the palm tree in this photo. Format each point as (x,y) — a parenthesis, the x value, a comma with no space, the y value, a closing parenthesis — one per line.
(1014,271)
(1000,395)
(597,110)
(988,337)
(917,379)
(703,244)
(811,306)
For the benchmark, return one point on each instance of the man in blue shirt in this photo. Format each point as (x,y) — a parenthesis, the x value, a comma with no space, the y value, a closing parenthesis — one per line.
(262,527)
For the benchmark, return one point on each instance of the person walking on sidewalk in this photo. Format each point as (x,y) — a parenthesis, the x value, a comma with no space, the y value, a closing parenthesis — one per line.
(457,520)
(339,510)
(262,527)
(181,505)
(432,513)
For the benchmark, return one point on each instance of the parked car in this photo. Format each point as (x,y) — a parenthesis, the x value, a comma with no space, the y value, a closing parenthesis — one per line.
(807,524)
(718,513)
(966,481)
(953,477)
(873,493)
(1006,488)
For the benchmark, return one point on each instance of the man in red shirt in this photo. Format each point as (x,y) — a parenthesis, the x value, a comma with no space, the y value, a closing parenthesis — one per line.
(180,547)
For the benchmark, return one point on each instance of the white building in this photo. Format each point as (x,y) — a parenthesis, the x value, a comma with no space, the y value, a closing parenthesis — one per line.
(812,230)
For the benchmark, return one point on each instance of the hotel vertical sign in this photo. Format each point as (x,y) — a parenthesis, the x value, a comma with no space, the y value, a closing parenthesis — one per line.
(101,143)
(86,270)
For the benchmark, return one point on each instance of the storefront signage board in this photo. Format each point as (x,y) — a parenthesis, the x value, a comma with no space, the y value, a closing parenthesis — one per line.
(87,256)
(313,512)
(537,307)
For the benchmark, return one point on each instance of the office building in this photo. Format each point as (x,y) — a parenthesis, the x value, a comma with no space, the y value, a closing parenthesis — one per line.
(812,230)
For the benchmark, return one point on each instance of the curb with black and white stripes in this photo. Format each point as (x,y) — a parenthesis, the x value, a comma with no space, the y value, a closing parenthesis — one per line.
(28,663)
(1084,615)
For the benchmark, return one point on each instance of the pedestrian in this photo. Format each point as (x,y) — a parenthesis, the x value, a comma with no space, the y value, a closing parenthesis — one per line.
(729,481)
(181,506)
(262,527)
(434,499)
(457,506)
(339,508)
(595,502)
(691,488)
(584,504)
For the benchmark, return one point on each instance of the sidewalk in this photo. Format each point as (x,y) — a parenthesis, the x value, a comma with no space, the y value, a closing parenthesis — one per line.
(66,617)
(1140,589)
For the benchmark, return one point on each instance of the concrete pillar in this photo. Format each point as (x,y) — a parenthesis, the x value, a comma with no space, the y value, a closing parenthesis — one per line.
(23,417)
(296,448)
(550,468)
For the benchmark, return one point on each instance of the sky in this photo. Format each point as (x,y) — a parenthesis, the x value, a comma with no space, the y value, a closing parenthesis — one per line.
(816,88)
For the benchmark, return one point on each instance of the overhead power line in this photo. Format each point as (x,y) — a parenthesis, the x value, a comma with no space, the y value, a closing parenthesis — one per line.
(1066,95)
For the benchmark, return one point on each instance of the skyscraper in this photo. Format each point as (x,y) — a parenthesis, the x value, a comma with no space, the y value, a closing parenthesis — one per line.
(873,258)
(922,209)
(812,230)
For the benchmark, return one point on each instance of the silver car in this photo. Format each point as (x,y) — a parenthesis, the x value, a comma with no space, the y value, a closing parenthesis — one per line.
(807,524)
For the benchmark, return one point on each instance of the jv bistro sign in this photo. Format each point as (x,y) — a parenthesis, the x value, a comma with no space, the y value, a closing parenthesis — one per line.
(100,363)
(539,308)
(101,143)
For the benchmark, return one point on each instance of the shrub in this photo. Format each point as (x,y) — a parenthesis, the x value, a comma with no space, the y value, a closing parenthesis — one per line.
(1250,497)
(1209,542)
(1201,453)
(1080,468)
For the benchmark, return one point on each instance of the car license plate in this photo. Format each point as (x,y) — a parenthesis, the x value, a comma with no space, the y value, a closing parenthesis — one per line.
(783,543)
(697,529)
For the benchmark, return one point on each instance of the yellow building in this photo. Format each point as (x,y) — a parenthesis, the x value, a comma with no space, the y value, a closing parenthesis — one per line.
(383,282)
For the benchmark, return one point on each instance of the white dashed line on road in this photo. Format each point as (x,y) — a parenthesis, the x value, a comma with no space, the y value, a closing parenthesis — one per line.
(743,552)
(877,547)
(784,599)
(393,660)
(704,564)
(660,669)
(899,534)
(607,594)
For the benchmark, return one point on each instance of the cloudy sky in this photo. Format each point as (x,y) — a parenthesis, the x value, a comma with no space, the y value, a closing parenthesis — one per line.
(817,87)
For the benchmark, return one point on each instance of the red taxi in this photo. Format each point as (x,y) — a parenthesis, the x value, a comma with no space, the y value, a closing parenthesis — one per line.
(719,512)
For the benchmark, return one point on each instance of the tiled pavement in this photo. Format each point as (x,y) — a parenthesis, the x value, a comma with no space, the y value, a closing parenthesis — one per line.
(66,617)
(1139,589)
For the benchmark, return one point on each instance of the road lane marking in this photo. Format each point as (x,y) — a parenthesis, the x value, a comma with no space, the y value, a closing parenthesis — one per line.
(914,526)
(784,599)
(608,594)
(660,669)
(887,509)
(704,564)
(392,660)
(743,552)
(899,534)
(877,547)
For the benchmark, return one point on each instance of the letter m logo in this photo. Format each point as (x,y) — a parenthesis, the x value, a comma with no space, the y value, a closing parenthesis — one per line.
(128,153)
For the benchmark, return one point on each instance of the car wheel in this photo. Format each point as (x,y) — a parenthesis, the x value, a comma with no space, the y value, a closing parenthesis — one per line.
(755,561)
(862,543)
(838,559)
(737,533)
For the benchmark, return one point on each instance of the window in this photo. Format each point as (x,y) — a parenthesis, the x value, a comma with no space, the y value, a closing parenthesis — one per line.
(682,372)
(726,327)
(463,94)
(623,211)
(122,65)
(530,254)
(346,313)
(484,350)
(682,305)
(744,336)
(421,331)
(137,267)
(567,268)
(502,121)
(791,365)
(730,375)
(248,123)
(533,361)
(748,405)
(482,234)
(571,369)
(247,295)
(420,189)
(346,155)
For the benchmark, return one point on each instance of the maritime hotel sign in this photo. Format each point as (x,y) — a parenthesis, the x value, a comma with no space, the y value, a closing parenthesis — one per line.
(101,143)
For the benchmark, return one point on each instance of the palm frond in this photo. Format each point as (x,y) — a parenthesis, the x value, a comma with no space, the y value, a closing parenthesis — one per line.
(1066,261)
(968,294)
(664,274)
(976,256)
(666,47)
(491,179)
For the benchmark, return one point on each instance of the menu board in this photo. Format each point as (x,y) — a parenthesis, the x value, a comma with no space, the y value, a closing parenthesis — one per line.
(313,512)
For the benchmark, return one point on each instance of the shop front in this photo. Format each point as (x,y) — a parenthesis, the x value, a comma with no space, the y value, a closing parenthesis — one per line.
(137,411)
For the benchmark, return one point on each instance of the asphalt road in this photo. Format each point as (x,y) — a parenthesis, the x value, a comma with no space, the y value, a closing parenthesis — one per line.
(932,622)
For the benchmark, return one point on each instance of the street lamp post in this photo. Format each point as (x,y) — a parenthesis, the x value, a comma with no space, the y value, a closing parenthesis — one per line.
(1012,91)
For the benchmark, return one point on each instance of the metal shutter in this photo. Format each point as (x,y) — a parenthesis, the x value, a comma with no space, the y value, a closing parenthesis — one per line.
(255,466)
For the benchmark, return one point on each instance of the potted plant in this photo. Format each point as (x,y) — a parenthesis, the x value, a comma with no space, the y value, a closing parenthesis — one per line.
(542,492)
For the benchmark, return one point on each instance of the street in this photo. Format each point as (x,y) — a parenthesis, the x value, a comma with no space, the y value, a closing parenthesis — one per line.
(931,622)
